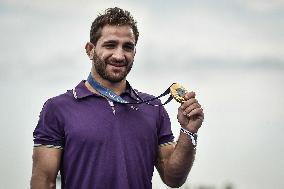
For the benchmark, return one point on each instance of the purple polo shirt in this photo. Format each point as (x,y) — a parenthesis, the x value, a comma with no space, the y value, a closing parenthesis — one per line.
(103,150)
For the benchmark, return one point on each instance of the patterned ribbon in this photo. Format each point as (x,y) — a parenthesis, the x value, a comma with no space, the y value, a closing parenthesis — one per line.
(112,96)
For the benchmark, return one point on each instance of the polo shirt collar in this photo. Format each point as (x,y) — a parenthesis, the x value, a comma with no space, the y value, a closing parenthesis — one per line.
(81,91)
(133,93)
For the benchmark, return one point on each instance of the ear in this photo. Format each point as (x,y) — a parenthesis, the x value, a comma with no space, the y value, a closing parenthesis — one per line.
(90,49)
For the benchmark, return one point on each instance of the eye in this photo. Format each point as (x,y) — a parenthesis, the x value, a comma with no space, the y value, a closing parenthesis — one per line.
(109,45)
(128,47)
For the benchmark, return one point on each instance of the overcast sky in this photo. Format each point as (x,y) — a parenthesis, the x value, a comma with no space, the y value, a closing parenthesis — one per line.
(229,51)
(246,33)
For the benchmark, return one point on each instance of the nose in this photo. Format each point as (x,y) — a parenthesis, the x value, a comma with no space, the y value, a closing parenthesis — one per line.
(118,55)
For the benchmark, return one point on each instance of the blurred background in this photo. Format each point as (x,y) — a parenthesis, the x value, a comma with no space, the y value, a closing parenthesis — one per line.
(229,52)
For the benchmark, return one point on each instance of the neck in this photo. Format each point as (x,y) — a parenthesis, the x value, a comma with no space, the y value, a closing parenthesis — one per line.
(117,88)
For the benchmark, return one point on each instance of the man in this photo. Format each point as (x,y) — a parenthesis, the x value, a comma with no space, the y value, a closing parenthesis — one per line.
(98,141)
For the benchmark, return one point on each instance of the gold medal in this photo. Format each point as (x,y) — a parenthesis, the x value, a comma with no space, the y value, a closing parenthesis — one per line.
(178,92)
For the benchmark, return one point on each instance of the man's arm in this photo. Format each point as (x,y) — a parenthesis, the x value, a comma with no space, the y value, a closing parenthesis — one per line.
(175,161)
(46,163)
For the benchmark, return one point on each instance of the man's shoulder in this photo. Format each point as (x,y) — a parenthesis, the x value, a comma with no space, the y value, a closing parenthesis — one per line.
(69,96)
(143,94)
(146,96)
(61,99)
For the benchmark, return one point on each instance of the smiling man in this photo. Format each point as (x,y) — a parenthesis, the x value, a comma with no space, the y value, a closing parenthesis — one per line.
(98,136)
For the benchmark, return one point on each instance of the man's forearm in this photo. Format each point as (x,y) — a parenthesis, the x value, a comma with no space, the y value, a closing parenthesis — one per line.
(178,165)
(42,182)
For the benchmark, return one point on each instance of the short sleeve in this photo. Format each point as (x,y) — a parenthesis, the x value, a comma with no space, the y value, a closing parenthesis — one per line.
(165,134)
(49,131)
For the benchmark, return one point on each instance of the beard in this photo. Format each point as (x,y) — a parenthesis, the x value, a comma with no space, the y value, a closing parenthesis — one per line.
(101,68)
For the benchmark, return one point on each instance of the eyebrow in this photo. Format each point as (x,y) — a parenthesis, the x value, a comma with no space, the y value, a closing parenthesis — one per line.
(130,43)
(109,41)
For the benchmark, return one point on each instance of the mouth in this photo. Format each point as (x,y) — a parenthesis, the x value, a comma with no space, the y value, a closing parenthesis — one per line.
(123,64)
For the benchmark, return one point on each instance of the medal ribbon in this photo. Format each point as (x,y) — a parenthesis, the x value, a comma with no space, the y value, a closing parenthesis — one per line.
(112,96)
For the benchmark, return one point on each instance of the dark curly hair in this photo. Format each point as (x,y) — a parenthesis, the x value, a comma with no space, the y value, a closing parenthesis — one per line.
(115,17)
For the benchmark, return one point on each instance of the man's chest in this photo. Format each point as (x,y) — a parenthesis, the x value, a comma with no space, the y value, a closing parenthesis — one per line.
(96,124)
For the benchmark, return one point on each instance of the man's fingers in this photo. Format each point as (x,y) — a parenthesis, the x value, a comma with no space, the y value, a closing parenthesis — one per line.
(189,95)
(188,103)
(191,108)
(197,111)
